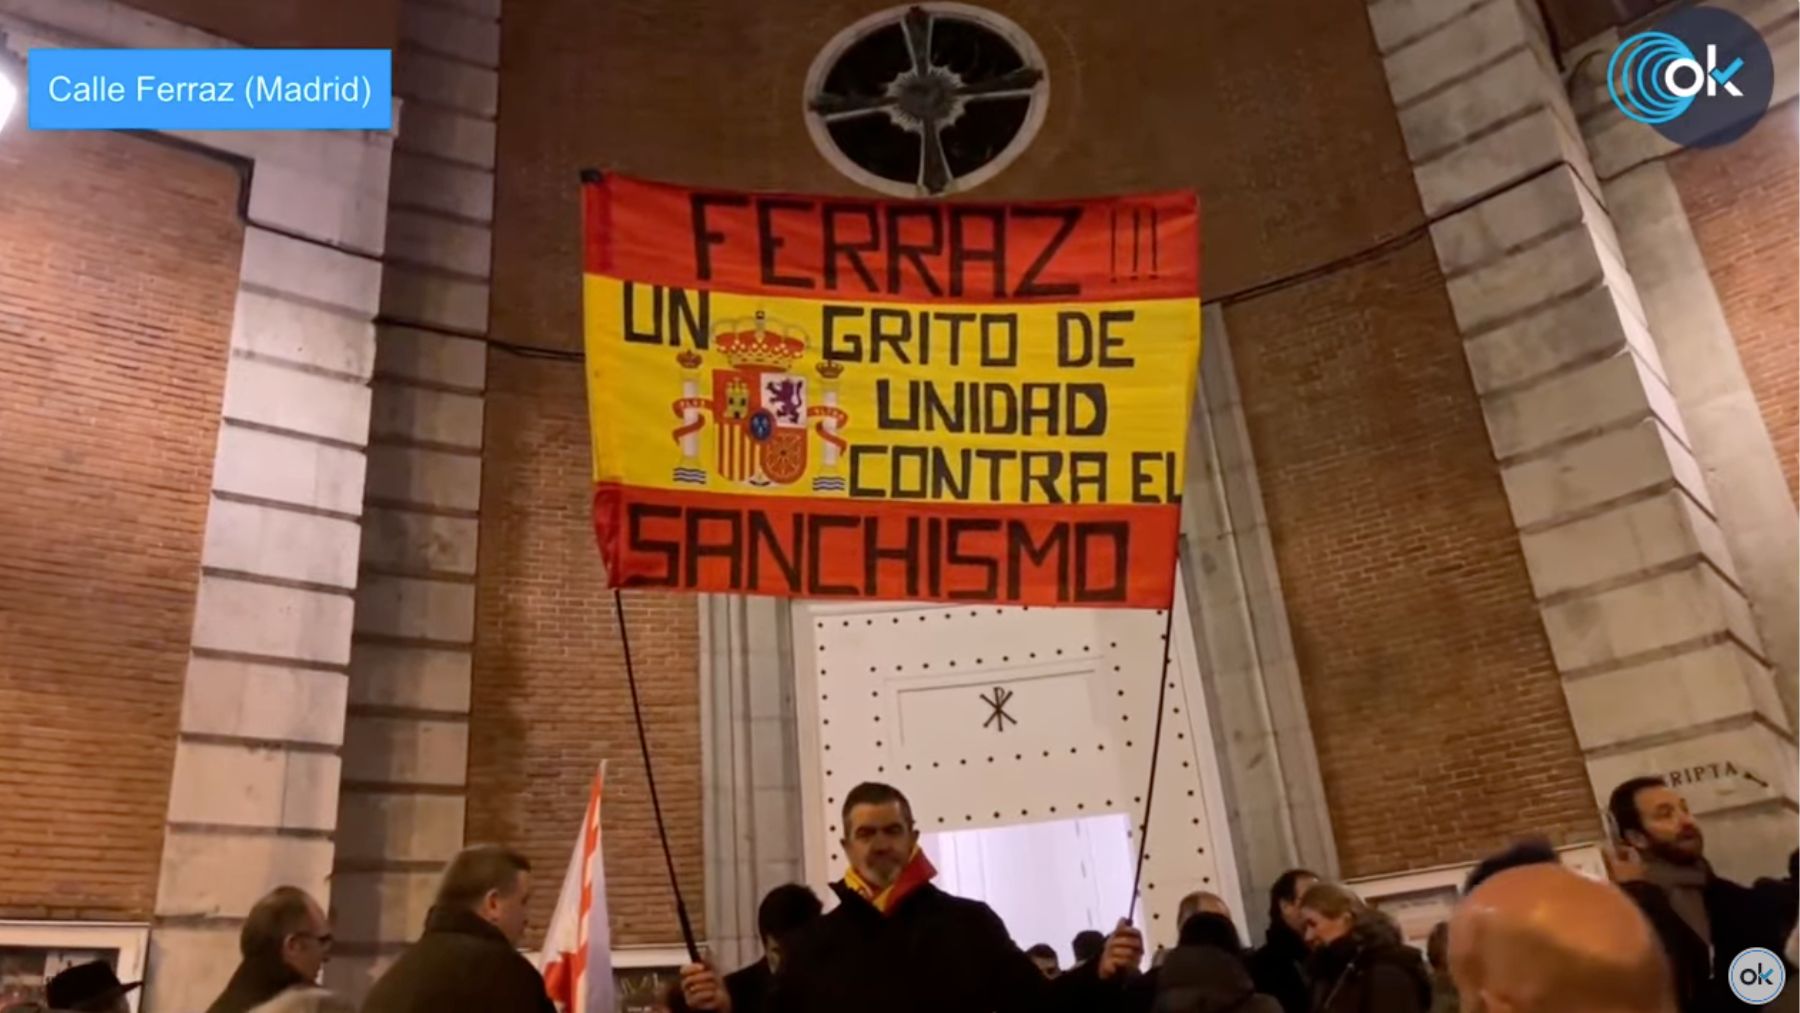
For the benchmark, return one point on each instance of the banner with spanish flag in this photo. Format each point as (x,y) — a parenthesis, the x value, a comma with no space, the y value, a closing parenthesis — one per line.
(828,397)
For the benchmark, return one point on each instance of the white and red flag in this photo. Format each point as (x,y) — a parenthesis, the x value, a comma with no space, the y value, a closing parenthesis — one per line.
(577,954)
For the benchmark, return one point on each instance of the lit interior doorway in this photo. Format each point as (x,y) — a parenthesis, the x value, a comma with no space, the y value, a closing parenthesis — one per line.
(1046,881)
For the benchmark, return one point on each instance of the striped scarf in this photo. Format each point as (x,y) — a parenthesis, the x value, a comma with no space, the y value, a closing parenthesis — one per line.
(917,873)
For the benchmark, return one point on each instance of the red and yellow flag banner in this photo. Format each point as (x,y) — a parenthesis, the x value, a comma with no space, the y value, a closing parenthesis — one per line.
(827,397)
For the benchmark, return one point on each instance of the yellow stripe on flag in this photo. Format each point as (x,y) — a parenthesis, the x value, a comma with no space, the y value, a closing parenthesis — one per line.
(1010,404)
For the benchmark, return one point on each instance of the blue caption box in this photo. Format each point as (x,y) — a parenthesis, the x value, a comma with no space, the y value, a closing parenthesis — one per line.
(211,89)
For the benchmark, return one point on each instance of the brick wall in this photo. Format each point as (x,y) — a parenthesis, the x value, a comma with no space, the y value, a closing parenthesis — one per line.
(1437,711)
(550,699)
(329,24)
(1742,200)
(1295,150)
(118,270)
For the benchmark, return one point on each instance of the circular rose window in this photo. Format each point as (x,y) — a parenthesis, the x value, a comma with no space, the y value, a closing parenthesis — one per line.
(926,100)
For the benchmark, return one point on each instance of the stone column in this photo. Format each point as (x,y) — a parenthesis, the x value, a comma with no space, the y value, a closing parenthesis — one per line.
(1269,766)
(1663,666)
(253,800)
(406,738)
(751,766)
(1730,439)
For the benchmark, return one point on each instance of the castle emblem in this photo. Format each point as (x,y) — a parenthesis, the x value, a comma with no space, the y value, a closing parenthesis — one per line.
(762,409)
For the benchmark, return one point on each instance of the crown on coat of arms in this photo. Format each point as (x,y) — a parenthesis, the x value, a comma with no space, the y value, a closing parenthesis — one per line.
(758,345)
(830,370)
(689,359)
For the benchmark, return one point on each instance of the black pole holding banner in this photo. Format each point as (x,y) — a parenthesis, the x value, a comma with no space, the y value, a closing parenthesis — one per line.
(637,714)
(1162,694)
(687,927)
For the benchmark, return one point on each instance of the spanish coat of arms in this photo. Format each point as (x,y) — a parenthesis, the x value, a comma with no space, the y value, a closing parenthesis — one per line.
(762,409)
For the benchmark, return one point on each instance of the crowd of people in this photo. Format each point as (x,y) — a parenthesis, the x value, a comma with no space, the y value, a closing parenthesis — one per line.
(1527,936)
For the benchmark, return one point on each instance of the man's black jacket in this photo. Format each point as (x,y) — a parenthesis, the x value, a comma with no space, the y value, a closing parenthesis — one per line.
(934,953)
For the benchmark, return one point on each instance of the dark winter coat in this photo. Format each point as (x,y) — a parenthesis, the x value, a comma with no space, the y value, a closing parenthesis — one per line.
(1279,969)
(933,952)
(1741,917)
(1370,971)
(749,987)
(1206,979)
(462,964)
(260,983)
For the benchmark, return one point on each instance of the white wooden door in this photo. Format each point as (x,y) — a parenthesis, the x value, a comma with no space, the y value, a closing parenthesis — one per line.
(988,716)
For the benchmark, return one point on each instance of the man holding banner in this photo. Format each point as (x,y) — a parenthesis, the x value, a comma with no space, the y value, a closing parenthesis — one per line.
(897,944)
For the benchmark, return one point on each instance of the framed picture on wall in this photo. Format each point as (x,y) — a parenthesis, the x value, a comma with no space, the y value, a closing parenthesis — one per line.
(33,952)
(641,975)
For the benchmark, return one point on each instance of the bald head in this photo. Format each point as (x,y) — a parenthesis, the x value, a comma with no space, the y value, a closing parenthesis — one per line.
(1201,902)
(1542,939)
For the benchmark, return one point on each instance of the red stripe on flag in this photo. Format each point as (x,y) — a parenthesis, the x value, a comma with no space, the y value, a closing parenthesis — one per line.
(1090,555)
(1110,249)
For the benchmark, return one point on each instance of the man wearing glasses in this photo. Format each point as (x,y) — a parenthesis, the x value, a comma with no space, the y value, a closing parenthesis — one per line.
(284,942)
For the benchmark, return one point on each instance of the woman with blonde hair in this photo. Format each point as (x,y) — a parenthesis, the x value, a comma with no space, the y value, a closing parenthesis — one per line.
(1358,963)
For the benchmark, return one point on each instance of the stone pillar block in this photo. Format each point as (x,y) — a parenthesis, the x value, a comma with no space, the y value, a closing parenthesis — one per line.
(212,874)
(286,470)
(435,299)
(317,274)
(1613,391)
(427,76)
(406,740)
(464,193)
(1662,697)
(1637,536)
(410,353)
(377,827)
(221,784)
(273,703)
(452,136)
(303,334)
(250,538)
(381,906)
(433,610)
(409,676)
(405,750)
(1649,615)
(241,617)
(1561,332)
(280,397)
(424,415)
(409,476)
(1440,53)
(439,242)
(189,964)
(1593,473)
(413,542)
